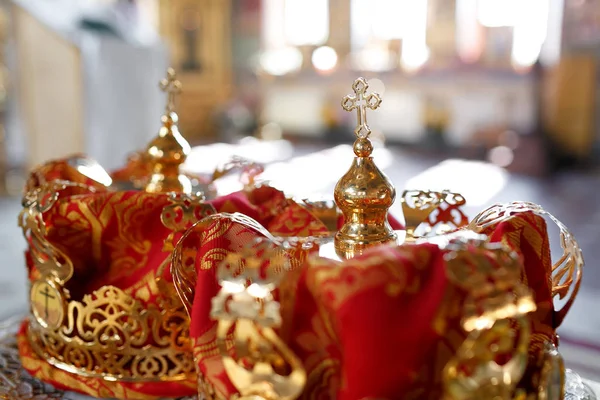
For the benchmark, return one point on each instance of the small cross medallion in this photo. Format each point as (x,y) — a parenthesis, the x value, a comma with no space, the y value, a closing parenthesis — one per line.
(172,87)
(47,304)
(360,102)
(47,295)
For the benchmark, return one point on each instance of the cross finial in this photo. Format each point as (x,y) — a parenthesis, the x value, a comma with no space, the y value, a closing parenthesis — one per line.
(172,87)
(360,101)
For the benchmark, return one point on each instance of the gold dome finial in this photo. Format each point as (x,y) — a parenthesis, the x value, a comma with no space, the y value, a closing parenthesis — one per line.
(364,193)
(169,149)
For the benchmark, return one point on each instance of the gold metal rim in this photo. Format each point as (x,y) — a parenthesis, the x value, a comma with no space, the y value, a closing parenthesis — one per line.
(33,342)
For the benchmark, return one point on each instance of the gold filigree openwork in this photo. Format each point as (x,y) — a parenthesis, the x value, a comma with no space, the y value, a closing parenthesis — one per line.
(262,366)
(183,212)
(492,359)
(432,213)
(111,335)
(567,271)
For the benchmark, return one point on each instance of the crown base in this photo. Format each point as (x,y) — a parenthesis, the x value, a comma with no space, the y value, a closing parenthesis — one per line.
(36,343)
(112,336)
(347,247)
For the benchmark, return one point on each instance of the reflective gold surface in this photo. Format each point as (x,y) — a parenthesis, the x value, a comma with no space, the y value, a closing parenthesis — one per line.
(492,359)
(416,207)
(169,149)
(364,194)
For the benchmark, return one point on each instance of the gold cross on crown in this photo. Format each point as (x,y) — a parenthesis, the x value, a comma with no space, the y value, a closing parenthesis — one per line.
(360,101)
(172,87)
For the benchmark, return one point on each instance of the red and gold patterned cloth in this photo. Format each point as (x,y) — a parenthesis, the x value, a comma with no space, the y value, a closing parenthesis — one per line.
(382,325)
(117,238)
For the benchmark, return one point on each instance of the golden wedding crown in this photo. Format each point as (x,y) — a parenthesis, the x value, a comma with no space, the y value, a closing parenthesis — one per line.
(494,313)
(108,333)
(113,335)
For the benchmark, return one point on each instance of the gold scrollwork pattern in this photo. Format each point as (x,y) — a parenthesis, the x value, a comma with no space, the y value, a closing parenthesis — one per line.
(47,258)
(492,359)
(111,335)
(259,364)
(567,271)
(435,212)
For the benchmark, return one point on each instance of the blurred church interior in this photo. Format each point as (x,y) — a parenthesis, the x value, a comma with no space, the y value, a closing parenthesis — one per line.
(495,99)
(507,80)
